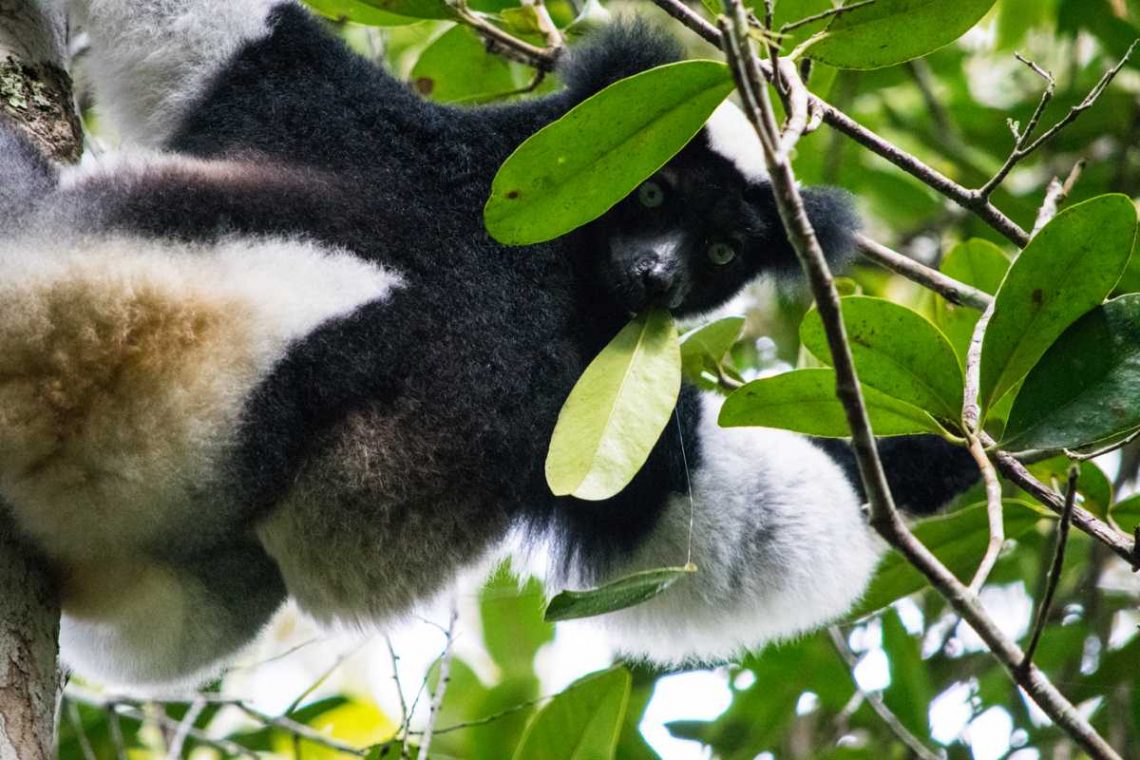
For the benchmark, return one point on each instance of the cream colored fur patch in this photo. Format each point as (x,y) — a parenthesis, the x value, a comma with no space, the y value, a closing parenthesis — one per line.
(124,366)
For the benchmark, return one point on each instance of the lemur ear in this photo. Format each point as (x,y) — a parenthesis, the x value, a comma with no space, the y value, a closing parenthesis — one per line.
(618,50)
(832,216)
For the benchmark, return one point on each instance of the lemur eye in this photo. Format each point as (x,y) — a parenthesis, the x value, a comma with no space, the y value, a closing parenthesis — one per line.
(651,194)
(721,253)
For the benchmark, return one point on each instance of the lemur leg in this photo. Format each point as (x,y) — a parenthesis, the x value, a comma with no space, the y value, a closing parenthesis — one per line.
(145,620)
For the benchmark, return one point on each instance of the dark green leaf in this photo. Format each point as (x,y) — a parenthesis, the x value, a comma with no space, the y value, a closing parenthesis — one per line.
(1067,269)
(1093,486)
(582,722)
(574,169)
(624,592)
(978,263)
(804,401)
(896,351)
(1126,514)
(616,411)
(1086,388)
(887,32)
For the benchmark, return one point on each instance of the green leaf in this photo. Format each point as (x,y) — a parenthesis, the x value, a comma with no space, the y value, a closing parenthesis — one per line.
(457,66)
(358,12)
(958,540)
(512,624)
(616,411)
(433,9)
(703,347)
(627,591)
(1068,268)
(887,32)
(804,401)
(910,691)
(897,351)
(974,262)
(1086,388)
(1126,514)
(581,723)
(574,169)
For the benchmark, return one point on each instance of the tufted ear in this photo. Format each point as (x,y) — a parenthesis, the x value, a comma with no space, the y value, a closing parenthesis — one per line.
(833,217)
(618,50)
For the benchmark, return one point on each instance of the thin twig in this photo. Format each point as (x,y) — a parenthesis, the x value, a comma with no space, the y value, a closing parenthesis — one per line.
(913,743)
(971,415)
(81,737)
(441,683)
(1122,545)
(299,730)
(822,15)
(947,287)
(1055,195)
(546,25)
(1054,571)
(178,741)
(504,42)
(404,716)
(1024,144)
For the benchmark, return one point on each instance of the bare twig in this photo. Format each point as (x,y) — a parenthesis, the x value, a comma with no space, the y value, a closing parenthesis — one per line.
(913,743)
(822,15)
(884,517)
(546,25)
(299,730)
(1055,195)
(947,287)
(971,414)
(178,740)
(504,42)
(1121,545)
(1025,144)
(1055,571)
(441,684)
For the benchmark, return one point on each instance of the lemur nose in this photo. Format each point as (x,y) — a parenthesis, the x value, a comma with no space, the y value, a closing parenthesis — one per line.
(656,279)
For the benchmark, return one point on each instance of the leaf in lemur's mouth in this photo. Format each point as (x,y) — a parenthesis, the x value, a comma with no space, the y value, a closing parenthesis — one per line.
(627,591)
(616,411)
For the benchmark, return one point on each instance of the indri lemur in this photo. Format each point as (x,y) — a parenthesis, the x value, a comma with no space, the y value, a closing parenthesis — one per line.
(270,349)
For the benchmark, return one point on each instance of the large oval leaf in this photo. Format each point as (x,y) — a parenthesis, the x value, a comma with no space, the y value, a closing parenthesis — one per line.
(887,32)
(627,591)
(804,401)
(1087,386)
(897,351)
(432,9)
(581,723)
(616,411)
(457,66)
(1068,268)
(358,12)
(574,169)
(958,539)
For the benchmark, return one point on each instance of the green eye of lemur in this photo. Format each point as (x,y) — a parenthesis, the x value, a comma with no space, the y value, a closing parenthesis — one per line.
(650,194)
(721,253)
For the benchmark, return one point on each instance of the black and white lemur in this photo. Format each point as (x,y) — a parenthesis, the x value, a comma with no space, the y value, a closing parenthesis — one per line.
(275,353)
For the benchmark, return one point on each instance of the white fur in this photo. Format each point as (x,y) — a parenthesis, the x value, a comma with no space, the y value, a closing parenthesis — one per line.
(779,540)
(152,58)
(125,364)
(733,136)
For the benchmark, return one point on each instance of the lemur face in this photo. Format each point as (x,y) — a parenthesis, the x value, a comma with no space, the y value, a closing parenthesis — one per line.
(688,238)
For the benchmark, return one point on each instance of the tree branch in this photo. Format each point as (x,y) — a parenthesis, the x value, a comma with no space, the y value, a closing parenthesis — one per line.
(947,287)
(1055,570)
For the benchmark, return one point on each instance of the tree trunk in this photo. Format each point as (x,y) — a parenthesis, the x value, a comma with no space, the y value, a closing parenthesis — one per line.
(35,94)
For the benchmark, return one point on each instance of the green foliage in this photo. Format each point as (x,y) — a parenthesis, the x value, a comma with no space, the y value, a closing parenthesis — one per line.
(703,348)
(1086,388)
(457,67)
(978,263)
(582,722)
(804,401)
(896,351)
(1068,268)
(574,169)
(887,32)
(618,594)
(617,410)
